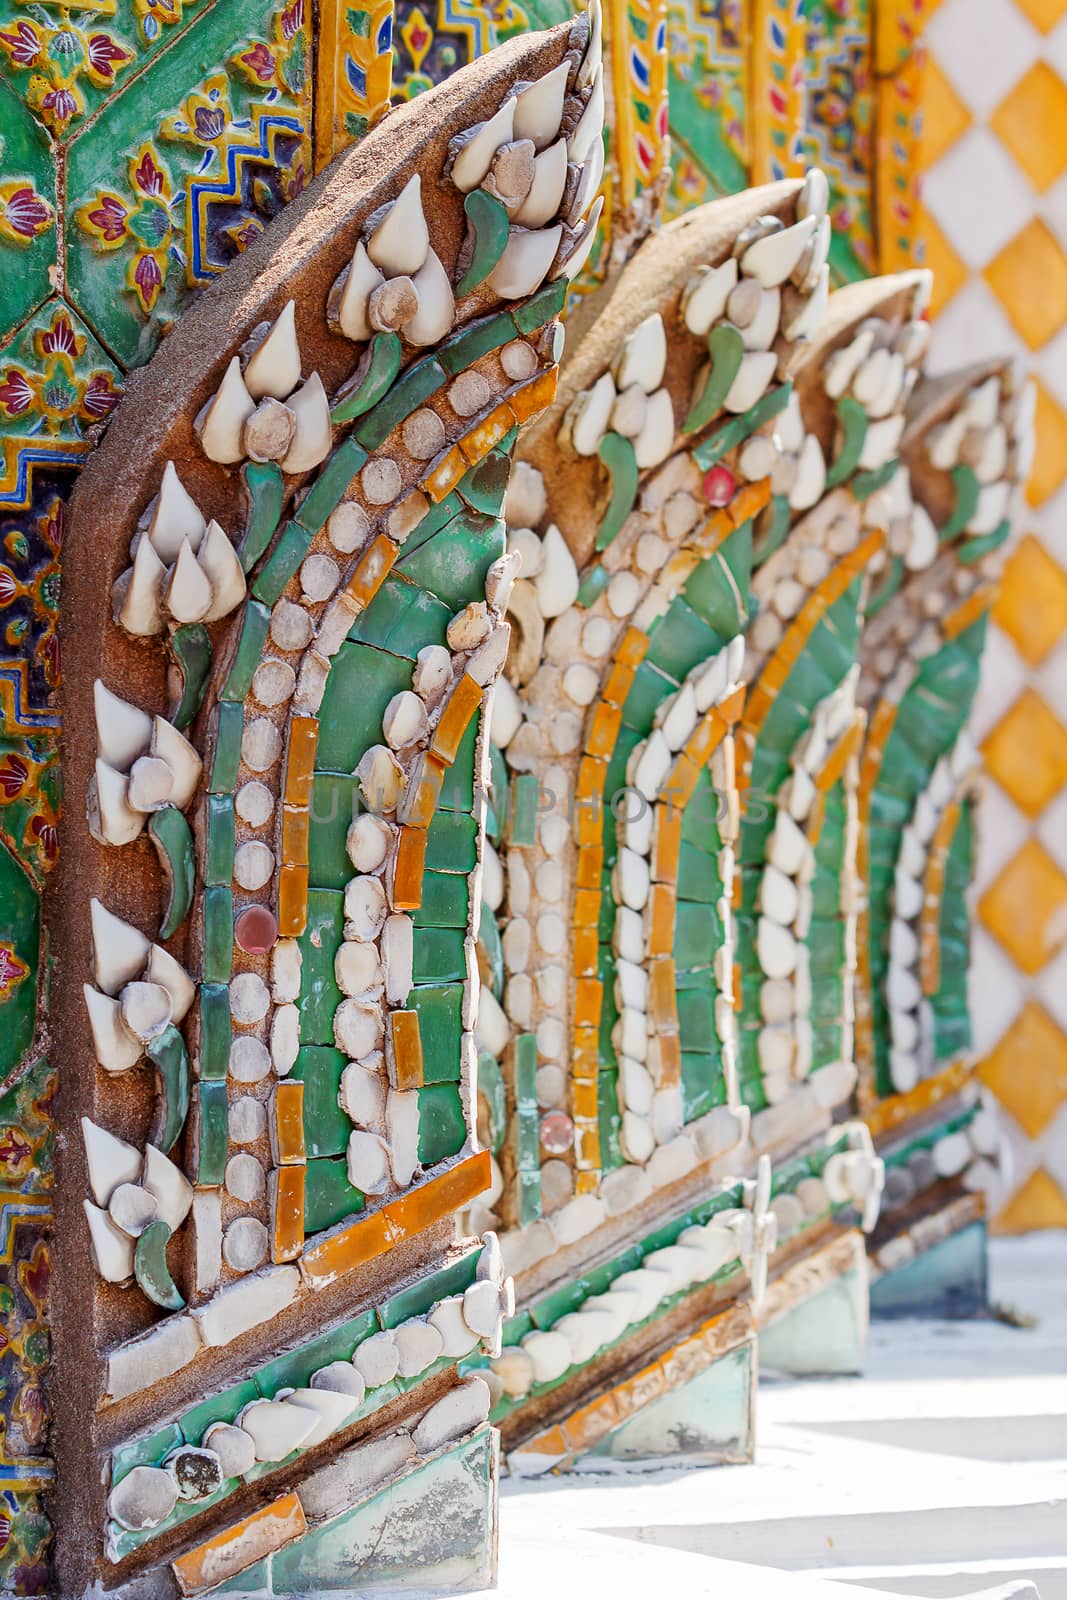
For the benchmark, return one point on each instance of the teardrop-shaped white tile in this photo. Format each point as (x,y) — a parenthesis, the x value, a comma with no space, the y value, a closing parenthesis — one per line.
(274,366)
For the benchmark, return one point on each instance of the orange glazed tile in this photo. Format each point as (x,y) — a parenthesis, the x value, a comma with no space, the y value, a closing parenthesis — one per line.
(670,1060)
(292,901)
(420,799)
(371,571)
(590,864)
(1031,606)
(361,1241)
(407,869)
(444,477)
(287,1191)
(1026,908)
(239,1547)
(617,683)
(603,730)
(666,844)
(834,766)
(586,951)
(591,1423)
(640,1390)
(549,1443)
(460,707)
(296,833)
(631,647)
(945,117)
(1039,1203)
(660,916)
(1044,14)
(585,1101)
(661,1003)
(1029,278)
(1050,457)
(289,1122)
(731,708)
(590,784)
(585,1054)
(300,760)
(749,501)
(443,1196)
(534,396)
(949,269)
(405,1057)
(588,997)
(1031,122)
(1027,753)
(682,781)
(586,1182)
(481,439)
(588,823)
(587,1145)
(586,908)
(1027,1071)
(706,737)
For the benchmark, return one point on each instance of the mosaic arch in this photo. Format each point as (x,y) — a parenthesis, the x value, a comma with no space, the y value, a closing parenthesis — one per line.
(267,875)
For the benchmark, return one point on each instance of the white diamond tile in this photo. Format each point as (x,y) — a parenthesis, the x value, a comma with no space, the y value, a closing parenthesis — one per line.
(972,327)
(993,991)
(1050,524)
(1021,1151)
(1054,48)
(1052,1148)
(1051,364)
(1003,677)
(1051,829)
(1050,988)
(979,197)
(1050,681)
(1002,832)
(983,55)
(1052,207)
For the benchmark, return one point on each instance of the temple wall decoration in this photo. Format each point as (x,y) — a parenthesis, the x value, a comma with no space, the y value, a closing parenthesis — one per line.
(531,773)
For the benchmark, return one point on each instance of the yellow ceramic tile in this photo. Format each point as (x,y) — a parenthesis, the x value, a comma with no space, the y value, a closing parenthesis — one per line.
(1040,1203)
(1031,122)
(945,116)
(1031,606)
(1029,278)
(1027,753)
(1050,458)
(1028,1069)
(1026,908)
(950,273)
(1044,14)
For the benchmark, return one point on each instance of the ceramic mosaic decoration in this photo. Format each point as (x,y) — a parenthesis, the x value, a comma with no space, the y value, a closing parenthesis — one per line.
(494,970)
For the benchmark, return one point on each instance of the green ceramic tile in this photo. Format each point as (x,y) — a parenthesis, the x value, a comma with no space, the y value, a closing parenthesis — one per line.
(329,487)
(451,842)
(249,652)
(264,491)
(696,1019)
(21,917)
(282,562)
(486,484)
(402,618)
(147,1452)
(29,213)
(650,686)
(425,1293)
(703,1084)
(326,1127)
(442,1127)
(361,684)
(679,640)
(525,789)
(319,994)
(477,339)
(219,852)
(229,729)
(328,1196)
(214,1031)
(457,785)
(334,806)
(212,1143)
(217,1408)
(293,1370)
(541,307)
(445,901)
(440,1009)
(218,935)
(411,390)
(453,564)
(438,956)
